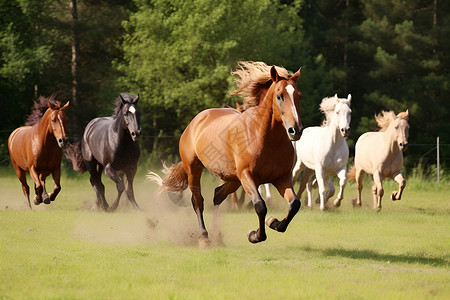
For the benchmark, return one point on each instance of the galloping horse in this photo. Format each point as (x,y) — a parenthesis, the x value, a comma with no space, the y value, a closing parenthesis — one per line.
(381,154)
(248,148)
(324,150)
(111,143)
(36,148)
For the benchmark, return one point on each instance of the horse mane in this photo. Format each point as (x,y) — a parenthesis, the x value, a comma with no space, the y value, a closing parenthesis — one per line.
(328,105)
(384,119)
(119,103)
(40,107)
(253,80)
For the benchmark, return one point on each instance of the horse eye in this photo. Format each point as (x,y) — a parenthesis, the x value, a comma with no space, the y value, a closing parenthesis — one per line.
(280,97)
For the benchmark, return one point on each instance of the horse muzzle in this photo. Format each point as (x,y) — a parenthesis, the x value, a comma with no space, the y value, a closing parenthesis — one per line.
(295,133)
(345,132)
(403,146)
(135,135)
(62,142)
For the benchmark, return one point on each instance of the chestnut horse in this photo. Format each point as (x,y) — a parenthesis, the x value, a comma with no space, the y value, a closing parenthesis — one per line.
(36,148)
(248,148)
(381,154)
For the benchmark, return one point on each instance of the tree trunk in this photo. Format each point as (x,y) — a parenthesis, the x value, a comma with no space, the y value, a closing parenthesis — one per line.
(74,41)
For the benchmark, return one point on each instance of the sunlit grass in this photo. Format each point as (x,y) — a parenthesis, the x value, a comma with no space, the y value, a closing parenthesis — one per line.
(67,250)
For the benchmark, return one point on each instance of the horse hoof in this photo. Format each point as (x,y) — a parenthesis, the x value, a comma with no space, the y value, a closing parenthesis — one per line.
(46,201)
(37,201)
(337,203)
(253,237)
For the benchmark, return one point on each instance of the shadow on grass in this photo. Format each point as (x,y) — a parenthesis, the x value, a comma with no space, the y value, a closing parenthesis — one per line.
(373,255)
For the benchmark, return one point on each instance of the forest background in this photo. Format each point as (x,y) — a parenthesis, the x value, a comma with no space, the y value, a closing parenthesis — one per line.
(390,55)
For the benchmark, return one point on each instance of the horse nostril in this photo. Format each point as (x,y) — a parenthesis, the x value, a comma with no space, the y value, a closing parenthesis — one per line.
(291,130)
(133,134)
(60,141)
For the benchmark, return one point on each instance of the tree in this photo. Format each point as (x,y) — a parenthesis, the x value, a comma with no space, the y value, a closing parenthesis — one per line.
(178,54)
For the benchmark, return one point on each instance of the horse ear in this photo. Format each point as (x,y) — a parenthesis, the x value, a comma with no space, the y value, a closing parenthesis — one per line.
(65,106)
(136,99)
(403,115)
(274,74)
(349,98)
(296,75)
(336,97)
(121,98)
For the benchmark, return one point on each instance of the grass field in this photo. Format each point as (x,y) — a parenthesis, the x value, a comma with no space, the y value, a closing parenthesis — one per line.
(67,250)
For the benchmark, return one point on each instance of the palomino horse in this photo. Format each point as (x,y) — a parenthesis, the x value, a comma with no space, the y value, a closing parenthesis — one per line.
(111,143)
(36,148)
(324,150)
(248,148)
(380,154)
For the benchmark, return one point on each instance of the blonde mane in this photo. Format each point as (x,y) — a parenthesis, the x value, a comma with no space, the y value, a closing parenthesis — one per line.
(328,105)
(386,117)
(327,108)
(253,80)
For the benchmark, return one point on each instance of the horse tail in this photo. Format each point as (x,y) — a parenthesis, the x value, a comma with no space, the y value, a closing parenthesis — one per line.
(351,175)
(175,181)
(73,153)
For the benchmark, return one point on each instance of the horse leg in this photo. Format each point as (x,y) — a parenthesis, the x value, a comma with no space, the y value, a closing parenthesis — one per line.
(120,185)
(321,183)
(342,182)
(359,176)
(306,177)
(284,187)
(95,169)
(45,197)
(268,193)
(56,174)
(248,183)
(397,195)
(220,194)
(37,186)
(379,190)
(309,188)
(130,190)
(25,188)
(194,172)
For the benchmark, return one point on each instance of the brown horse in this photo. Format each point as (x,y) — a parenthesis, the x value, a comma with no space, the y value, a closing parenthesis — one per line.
(248,148)
(36,148)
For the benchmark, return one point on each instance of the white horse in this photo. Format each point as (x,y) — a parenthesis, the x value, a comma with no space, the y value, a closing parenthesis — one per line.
(324,150)
(381,154)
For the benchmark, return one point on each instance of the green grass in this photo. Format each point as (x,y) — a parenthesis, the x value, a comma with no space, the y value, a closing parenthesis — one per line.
(66,250)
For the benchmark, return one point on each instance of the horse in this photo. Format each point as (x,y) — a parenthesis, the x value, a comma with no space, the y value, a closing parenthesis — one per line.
(323,151)
(381,155)
(248,148)
(111,143)
(37,148)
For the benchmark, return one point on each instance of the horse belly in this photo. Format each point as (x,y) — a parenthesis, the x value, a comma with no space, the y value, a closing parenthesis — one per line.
(18,146)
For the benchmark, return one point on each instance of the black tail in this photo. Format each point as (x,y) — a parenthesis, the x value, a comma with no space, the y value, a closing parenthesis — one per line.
(73,152)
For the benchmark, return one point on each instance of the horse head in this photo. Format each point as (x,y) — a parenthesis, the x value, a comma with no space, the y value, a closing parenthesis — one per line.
(131,115)
(342,113)
(287,98)
(58,120)
(401,129)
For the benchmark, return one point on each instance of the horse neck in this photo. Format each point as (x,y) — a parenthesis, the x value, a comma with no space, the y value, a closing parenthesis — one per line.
(268,122)
(390,140)
(119,127)
(334,131)
(44,129)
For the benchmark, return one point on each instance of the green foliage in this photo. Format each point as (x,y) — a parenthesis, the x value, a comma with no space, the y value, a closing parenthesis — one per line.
(178,54)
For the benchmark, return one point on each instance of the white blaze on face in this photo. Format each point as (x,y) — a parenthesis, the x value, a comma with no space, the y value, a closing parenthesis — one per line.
(290,89)
(132,109)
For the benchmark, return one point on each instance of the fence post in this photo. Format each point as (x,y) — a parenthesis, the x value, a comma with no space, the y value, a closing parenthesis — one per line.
(437,159)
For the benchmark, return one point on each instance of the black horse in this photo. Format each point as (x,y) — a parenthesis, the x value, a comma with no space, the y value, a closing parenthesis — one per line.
(110,143)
